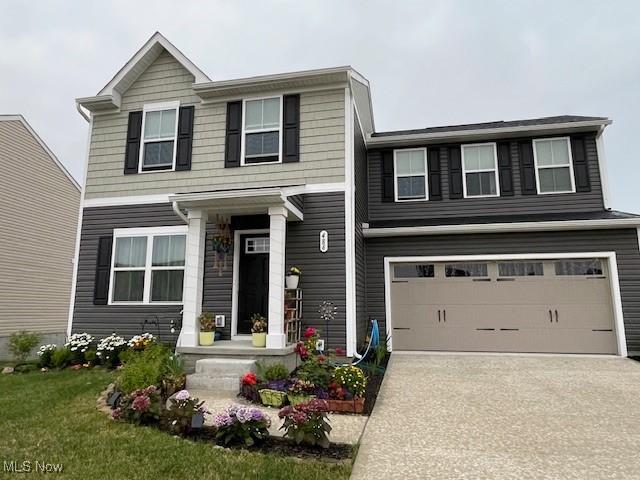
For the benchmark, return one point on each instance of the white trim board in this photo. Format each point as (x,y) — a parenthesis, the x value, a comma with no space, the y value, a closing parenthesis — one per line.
(126,200)
(235,285)
(396,175)
(501,227)
(609,256)
(349,217)
(480,170)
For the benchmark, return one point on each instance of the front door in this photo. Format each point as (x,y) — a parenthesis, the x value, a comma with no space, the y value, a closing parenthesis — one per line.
(253,285)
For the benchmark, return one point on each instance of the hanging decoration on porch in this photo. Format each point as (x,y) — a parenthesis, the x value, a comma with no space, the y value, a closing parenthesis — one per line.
(222,244)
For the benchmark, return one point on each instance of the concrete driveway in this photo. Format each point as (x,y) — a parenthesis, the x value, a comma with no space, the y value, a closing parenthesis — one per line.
(499,417)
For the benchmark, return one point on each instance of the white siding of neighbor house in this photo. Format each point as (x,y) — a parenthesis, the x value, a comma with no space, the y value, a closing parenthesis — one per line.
(321,142)
(38,218)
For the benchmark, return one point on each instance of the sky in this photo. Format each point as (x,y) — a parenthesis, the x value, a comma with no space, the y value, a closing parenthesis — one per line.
(429,62)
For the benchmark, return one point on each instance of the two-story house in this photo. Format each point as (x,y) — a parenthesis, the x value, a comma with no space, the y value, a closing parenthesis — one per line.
(200,194)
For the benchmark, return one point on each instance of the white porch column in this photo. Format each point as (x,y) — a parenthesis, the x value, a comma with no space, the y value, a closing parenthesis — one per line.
(193,278)
(277,240)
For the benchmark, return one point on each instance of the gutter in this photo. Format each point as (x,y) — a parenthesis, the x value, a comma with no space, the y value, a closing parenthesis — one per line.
(501,227)
(178,212)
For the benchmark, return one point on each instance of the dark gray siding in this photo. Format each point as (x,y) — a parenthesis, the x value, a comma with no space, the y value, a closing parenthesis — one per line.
(468,207)
(623,242)
(297,201)
(323,274)
(125,320)
(361,207)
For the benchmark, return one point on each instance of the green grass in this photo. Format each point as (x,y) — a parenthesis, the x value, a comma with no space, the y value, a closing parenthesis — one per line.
(52,417)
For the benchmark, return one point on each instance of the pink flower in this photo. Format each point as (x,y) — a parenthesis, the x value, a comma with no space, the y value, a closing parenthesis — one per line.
(141,403)
(309,332)
(341,352)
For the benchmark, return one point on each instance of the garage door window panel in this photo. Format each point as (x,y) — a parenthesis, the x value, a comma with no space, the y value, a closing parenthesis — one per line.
(466,270)
(411,175)
(480,170)
(414,271)
(520,269)
(578,267)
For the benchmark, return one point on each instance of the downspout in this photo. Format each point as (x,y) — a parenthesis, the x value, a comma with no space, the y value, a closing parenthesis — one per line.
(176,209)
(602,166)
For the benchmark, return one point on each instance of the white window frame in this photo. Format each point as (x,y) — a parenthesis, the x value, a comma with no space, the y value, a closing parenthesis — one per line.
(264,245)
(260,130)
(155,107)
(149,233)
(483,170)
(426,175)
(539,167)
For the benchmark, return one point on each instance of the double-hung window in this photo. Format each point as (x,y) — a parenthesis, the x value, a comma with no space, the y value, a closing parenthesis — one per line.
(480,170)
(410,167)
(262,136)
(159,130)
(148,265)
(554,166)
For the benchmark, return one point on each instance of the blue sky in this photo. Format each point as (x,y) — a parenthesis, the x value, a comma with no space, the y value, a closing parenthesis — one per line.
(429,62)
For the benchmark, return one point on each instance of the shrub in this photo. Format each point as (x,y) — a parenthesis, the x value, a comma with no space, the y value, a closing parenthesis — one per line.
(78,344)
(238,424)
(352,378)
(307,423)
(142,406)
(45,355)
(275,371)
(91,357)
(141,342)
(182,408)
(144,368)
(108,350)
(21,344)
(174,377)
(316,371)
(61,358)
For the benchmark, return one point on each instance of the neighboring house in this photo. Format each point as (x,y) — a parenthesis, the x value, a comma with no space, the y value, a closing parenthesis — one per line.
(39,215)
(485,237)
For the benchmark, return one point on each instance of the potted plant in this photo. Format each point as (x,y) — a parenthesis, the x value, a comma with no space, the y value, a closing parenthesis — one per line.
(258,330)
(301,391)
(292,278)
(207,328)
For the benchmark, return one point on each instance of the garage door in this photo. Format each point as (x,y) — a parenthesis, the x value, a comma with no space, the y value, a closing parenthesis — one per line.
(561,306)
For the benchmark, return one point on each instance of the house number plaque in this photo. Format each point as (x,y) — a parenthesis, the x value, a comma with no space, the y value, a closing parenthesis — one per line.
(324,241)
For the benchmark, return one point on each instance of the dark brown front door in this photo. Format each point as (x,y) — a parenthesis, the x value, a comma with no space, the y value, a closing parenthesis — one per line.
(253,285)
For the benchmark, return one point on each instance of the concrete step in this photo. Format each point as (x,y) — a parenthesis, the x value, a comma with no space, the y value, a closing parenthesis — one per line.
(199,381)
(225,366)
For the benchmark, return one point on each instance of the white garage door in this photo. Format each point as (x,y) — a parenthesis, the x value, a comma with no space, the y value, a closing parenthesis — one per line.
(561,306)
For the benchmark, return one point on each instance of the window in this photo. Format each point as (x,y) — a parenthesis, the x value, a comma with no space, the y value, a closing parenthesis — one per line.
(148,265)
(261,140)
(159,130)
(554,168)
(413,271)
(256,245)
(480,170)
(591,266)
(520,269)
(466,270)
(410,167)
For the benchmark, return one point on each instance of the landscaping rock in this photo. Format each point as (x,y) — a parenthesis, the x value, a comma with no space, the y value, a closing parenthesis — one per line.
(7,370)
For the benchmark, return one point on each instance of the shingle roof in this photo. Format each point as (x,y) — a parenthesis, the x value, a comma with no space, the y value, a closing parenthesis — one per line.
(497,124)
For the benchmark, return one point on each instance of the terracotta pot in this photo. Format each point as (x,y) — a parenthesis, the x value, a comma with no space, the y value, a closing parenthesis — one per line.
(259,340)
(206,338)
(346,406)
(292,281)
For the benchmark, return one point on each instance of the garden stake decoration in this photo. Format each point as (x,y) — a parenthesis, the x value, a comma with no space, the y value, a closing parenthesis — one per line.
(222,244)
(327,311)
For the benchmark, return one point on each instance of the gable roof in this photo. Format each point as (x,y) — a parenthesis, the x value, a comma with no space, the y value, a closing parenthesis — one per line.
(32,132)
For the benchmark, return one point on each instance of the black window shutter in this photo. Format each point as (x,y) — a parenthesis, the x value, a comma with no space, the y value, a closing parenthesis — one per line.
(291,129)
(387,176)
(505,173)
(103,269)
(234,133)
(580,164)
(185,138)
(527,169)
(134,134)
(455,173)
(435,189)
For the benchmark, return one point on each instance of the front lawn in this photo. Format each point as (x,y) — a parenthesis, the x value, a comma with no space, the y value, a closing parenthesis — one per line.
(52,417)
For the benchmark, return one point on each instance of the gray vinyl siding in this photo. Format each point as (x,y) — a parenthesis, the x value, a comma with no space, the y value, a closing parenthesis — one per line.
(125,320)
(361,206)
(297,201)
(323,274)
(322,130)
(469,207)
(623,242)
(38,217)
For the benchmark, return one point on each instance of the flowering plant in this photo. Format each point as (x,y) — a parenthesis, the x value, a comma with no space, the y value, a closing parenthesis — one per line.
(141,406)
(338,392)
(248,387)
(295,271)
(45,354)
(249,378)
(239,424)
(352,378)
(140,342)
(78,344)
(307,423)
(302,387)
(207,322)
(182,408)
(109,348)
(258,323)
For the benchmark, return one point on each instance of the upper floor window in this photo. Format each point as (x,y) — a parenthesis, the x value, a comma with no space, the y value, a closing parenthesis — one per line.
(480,170)
(554,166)
(261,136)
(159,130)
(410,167)
(148,265)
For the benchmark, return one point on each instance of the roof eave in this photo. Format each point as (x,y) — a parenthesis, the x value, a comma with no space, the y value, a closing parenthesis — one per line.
(100,103)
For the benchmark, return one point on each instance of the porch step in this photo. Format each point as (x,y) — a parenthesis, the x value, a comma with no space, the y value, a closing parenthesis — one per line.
(222,374)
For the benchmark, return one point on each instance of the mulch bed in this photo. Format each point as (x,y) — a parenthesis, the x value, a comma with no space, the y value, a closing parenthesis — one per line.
(373,387)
